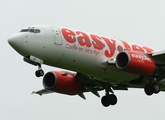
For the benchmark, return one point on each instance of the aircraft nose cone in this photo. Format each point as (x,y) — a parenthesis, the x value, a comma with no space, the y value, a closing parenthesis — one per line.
(15,41)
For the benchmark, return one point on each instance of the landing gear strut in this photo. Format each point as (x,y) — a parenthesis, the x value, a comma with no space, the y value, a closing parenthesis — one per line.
(151,88)
(108,99)
(37,62)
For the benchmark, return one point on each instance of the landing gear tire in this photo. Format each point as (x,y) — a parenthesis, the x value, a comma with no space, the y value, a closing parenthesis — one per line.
(113,99)
(155,88)
(152,88)
(148,90)
(39,73)
(105,101)
(109,100)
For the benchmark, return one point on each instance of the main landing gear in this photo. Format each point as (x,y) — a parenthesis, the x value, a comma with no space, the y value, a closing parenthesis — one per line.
(151,88)
(108,99)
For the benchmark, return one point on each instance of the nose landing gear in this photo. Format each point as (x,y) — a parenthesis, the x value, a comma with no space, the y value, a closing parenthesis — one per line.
(37,62)
(39,72)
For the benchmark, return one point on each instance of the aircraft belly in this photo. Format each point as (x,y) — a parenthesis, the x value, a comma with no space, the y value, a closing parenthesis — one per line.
(110,73)
(118,76)
(88,64)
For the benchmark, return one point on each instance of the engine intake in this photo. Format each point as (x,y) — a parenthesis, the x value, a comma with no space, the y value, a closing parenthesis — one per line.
(49,80)
(122,60)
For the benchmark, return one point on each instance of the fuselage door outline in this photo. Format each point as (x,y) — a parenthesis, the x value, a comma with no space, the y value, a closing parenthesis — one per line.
(57,35)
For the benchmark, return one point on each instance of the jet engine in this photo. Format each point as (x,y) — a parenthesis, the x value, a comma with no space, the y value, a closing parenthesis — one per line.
(135,62)
(61,82)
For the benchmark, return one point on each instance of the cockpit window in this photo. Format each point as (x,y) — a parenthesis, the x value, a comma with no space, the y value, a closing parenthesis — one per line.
(32,30)
(25,30)
(37,31)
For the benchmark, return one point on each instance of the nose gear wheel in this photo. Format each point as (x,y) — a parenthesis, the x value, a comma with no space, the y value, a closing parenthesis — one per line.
(39,73)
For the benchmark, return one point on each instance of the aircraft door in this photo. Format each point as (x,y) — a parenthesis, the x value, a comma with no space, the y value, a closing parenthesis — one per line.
(57,35)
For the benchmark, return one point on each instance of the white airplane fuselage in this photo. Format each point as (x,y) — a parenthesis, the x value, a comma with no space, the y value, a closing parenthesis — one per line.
(76,50)
(100,63)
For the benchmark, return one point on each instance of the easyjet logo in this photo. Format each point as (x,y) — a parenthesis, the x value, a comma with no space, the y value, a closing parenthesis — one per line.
(99,42)
(142,57)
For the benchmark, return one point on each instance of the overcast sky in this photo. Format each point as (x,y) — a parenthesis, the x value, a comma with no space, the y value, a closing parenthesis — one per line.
(136,21)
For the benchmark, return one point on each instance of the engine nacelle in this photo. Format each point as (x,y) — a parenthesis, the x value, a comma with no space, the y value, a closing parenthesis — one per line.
(135,62)
(61,82)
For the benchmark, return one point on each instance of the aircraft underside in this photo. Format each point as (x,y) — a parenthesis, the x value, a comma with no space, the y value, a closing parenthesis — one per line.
(88,84)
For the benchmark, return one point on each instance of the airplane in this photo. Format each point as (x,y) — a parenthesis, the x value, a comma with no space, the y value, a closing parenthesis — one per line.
(99,62)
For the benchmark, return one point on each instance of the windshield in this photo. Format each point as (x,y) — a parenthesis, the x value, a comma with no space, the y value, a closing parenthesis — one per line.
(32,30)
(25,30)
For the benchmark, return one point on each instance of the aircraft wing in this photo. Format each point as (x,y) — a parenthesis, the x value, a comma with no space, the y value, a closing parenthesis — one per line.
(89,85)
(159,54)
(94,85)
(143,83)
(41,92)
(159,57)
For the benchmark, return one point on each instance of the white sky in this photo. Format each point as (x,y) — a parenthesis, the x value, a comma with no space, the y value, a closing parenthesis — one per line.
(137,21)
